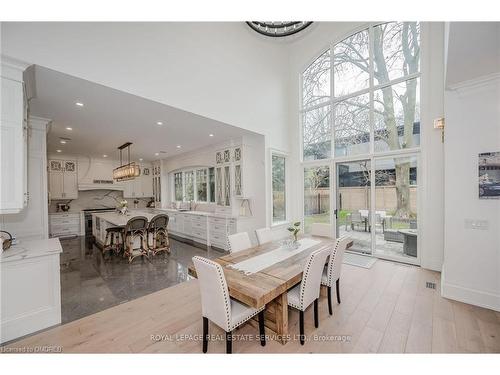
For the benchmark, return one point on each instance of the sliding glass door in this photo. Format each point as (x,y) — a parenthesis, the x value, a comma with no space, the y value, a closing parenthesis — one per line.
(316,196)
(353,182)
(395,217)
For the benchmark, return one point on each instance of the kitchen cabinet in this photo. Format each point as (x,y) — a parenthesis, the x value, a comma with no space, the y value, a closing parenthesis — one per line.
(14,139)
(30,287)
(157,184)
(32,221)
(229,180)
(139,187)
(64,224)
(202,228)
(63,179)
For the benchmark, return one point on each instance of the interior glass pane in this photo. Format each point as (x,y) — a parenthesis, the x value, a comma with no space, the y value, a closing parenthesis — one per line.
(396,50)
(316,196)
(279,197)
(317,133)
(211,183)
(395,225)
(352,126)
(351,69)
(189,181)
(316,81)
(178,186)
(201,185)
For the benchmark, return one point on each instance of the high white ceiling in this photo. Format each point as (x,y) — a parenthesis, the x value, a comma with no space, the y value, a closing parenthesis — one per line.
(110,118)
(473,50)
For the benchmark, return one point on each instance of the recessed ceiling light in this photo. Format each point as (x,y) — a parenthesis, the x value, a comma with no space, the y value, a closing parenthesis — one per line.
(159,123)
(179,146)
(141,159)
(62,141)
(157,153)
(105,156)
(68,128)
(58,151)
(79,104)
(210,135)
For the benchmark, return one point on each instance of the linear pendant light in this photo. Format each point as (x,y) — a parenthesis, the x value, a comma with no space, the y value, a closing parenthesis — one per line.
(127,171)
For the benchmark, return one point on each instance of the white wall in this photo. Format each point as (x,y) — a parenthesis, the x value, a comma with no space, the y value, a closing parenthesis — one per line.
(306,49)
(471,270)
(223,71)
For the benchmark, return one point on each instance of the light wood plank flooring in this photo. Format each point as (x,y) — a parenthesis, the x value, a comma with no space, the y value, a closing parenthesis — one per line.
(384,309)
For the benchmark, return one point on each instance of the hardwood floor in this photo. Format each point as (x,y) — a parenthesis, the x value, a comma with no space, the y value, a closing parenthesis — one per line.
(385,309)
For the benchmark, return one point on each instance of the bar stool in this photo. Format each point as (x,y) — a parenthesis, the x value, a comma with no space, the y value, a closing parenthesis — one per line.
(157,239)
(136,229)
(114,240)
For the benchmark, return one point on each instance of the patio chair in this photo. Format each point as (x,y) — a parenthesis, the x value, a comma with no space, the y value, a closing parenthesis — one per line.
(354,218)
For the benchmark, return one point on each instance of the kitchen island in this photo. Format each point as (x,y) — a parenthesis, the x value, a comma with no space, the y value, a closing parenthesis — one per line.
(102,221)
(199,228)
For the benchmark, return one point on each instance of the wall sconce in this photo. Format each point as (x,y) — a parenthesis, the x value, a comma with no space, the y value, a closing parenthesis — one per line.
(439,124)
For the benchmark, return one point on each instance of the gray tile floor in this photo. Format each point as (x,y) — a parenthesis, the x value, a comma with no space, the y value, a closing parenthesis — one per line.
(91,283)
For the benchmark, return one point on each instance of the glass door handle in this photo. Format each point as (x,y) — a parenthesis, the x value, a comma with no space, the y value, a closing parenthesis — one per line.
(335,213)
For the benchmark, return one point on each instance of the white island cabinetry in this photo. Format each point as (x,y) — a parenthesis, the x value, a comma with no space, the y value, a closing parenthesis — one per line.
(201,227)
(30,288)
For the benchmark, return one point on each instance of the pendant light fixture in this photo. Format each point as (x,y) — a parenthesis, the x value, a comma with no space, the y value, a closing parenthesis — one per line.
(127,171)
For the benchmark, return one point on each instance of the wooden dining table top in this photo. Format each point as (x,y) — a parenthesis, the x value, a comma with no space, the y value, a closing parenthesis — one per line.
(259,288)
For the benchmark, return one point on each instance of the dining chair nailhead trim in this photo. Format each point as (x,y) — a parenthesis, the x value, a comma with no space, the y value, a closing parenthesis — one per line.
(222,279)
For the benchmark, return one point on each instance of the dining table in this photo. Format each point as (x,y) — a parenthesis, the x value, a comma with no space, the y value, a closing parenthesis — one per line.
(262,275)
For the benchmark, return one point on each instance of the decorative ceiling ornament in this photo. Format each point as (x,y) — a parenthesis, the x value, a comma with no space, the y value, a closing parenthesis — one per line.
(278,29)
(127,171)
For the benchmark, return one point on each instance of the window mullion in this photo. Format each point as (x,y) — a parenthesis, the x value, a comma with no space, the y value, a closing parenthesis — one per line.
(372,93)
(332,108)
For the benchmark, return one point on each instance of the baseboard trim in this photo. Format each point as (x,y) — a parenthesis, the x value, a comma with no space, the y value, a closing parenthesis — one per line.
(470,296)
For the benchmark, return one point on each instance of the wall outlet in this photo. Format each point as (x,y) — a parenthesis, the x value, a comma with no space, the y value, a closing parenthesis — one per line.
(476,224)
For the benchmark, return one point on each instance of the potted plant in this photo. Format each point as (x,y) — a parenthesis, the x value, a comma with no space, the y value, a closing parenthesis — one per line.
(295,229)
(123,207)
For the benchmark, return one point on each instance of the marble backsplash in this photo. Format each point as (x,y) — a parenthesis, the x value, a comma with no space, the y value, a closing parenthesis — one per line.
(97,199)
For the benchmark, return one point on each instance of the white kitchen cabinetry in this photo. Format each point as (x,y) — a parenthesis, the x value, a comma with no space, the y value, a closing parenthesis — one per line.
(139,187)
(219,228)
(63,179)
(13,139)
(229,181)
(30,288)
(201,228)
(64,224)
(32,221)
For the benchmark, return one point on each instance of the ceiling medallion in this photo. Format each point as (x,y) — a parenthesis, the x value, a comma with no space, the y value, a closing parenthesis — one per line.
(278,29)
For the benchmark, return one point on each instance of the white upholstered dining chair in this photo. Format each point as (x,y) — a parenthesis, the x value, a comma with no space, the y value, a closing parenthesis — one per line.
(264,235)
(331,272)
(217,306)
(322,230)
(304,294)
(238,242)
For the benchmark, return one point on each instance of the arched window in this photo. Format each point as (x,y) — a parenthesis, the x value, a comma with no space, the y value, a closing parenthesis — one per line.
(360,124)
(361,96)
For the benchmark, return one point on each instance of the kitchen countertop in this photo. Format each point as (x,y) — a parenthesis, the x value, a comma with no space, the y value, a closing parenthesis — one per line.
(201,213)
(26,249)
(119,220)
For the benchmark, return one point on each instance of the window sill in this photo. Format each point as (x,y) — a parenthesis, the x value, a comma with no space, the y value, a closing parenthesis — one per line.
(280,224)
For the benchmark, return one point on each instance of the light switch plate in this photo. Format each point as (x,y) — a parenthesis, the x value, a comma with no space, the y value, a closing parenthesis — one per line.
(476,224)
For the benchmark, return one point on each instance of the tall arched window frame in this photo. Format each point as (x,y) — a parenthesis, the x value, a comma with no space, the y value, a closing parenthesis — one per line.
(348,89)
(360,108)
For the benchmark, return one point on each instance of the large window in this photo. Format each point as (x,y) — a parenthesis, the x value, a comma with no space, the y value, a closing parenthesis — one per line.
(194,185)
(362,95)
(279,188)
(360,115)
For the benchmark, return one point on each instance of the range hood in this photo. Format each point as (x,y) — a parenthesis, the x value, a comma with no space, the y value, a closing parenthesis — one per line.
(101,185)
